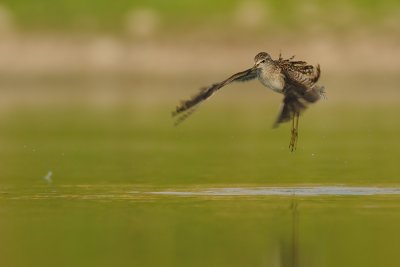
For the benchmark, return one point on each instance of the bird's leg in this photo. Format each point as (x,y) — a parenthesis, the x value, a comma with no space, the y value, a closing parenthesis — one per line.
(291,144)
(294,131)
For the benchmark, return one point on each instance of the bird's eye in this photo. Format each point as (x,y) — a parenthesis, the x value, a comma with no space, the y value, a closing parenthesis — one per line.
(263,61)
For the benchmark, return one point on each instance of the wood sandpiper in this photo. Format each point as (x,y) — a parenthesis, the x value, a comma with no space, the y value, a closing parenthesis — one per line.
(296,80)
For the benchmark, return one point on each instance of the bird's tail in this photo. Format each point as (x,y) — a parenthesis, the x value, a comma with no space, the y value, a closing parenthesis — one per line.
(292,105)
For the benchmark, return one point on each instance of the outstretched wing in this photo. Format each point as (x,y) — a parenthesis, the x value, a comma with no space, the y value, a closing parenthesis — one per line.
(297,97)
(206,92)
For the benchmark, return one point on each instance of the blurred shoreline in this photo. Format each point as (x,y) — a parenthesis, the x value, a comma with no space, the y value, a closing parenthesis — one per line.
(31,55)
(104,71)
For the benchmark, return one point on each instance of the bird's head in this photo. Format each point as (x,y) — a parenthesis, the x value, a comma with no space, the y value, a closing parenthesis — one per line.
(261,59)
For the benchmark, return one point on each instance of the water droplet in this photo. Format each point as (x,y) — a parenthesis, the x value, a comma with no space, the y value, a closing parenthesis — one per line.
(47,177)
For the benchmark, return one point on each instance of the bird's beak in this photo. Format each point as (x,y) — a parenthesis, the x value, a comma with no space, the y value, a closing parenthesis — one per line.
(255,66)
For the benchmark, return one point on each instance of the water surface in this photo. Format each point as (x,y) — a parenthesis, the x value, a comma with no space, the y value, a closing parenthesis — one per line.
(136,225)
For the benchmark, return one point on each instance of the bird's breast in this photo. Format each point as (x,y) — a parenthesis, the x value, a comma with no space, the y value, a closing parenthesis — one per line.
(272,79)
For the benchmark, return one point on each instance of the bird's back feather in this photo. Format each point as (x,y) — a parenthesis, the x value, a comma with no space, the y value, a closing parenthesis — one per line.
(300,87)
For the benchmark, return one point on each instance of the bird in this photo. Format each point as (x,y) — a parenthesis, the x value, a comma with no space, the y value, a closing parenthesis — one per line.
(295,80)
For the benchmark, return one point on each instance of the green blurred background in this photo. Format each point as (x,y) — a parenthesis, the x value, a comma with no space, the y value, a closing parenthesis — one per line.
(102,16)
(86,94)
(88,86)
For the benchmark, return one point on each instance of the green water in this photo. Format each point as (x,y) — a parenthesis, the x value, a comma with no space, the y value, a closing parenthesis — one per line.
(122,226)
(102,159)
(350,145)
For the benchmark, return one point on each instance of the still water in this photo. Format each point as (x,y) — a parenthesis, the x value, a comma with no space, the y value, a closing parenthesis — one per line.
(128,225)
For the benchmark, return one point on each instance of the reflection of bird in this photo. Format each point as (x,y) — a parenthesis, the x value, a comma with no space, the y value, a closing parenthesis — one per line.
(296,80)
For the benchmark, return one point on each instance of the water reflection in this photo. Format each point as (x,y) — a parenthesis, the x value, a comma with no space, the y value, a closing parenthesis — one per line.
(289,247)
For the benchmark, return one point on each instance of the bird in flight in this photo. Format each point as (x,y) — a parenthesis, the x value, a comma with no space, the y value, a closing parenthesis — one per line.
(296,80)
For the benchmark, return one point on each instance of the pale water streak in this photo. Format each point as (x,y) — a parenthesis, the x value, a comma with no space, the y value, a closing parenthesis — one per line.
(134,192)
(286,191)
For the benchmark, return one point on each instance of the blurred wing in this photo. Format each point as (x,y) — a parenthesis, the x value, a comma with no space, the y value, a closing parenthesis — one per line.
(297,97)
(206,92)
